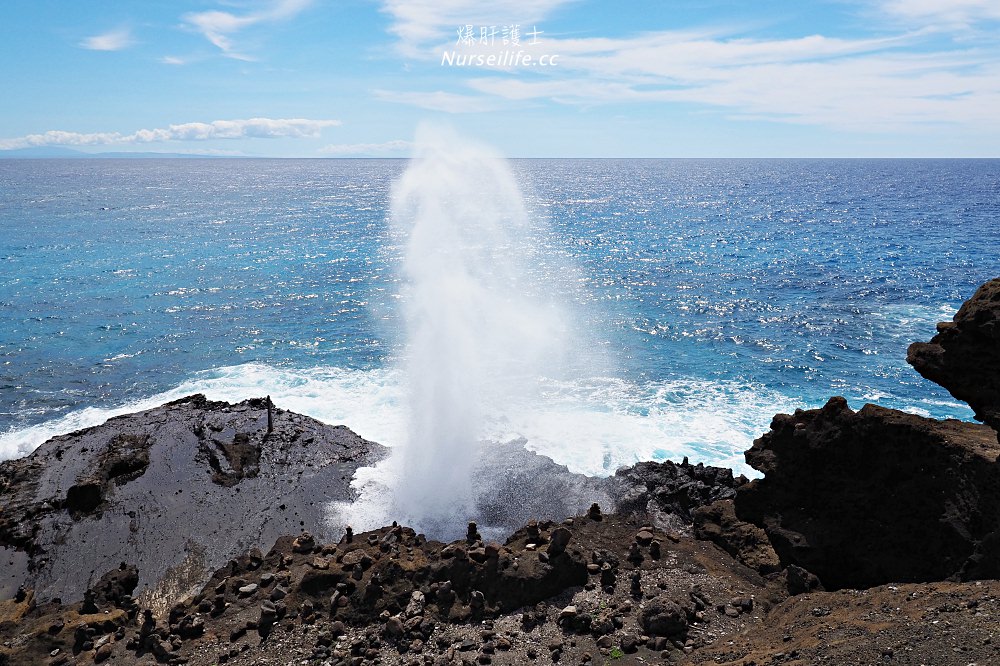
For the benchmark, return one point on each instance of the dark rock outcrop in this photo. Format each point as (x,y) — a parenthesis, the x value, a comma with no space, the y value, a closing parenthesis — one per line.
(116,586)
(514,485)
(670,492)
(876,496)
(664,615)
(964,357)
(174,492)
(745,541)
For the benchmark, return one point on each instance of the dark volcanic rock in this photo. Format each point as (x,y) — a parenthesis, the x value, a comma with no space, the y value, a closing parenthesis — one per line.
(663,616)
(964,357)
(515,485)
(402,574)
(114,586)
(748,543)
(391,596)
(670,492)
(174,492)
(877,496)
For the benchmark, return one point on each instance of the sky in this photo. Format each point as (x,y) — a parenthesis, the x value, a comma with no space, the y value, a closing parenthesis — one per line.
(536,78)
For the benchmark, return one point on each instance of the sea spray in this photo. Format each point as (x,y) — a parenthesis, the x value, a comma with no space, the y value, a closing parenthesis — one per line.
(481,328)
(489,318)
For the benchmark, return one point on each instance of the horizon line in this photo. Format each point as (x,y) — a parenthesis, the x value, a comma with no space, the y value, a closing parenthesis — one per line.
(182,156)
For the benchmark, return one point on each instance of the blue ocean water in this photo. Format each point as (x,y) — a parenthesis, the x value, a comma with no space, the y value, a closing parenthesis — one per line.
(723,291)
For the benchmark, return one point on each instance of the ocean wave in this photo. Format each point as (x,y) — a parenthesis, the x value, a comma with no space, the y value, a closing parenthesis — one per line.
(913,320)
(593,426)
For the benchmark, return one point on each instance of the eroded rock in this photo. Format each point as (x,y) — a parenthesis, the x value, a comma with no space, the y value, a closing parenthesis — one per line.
(876,496)
(964,356)
(748,543)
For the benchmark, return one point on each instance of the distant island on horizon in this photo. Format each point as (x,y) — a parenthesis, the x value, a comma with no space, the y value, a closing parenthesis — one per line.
(56,152)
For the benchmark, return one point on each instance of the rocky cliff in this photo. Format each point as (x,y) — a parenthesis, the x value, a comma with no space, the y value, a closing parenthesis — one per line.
(964,357)
(876,496)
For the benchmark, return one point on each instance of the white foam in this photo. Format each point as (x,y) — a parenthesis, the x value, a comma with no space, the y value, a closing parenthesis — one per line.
(592,426)
(912,320)
(595,427)
(18,442)
(367,401)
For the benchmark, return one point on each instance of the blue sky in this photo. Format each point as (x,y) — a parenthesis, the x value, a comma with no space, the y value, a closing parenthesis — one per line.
(315,78)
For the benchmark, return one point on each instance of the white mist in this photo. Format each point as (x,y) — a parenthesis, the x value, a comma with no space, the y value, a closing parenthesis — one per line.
(492,339)
(482,331)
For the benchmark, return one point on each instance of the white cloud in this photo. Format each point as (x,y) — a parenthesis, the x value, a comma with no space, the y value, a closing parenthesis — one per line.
(883,84)
(255,128)
(395,146)
(439,100)
(419,23)
(173,60)
(906,77)
(219,27)
(694,56)
(943,13)
(115,40)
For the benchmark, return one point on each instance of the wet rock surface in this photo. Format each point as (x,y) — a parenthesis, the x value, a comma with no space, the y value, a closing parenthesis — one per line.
(174,492)
(964,357)
(669,492)
(515,485)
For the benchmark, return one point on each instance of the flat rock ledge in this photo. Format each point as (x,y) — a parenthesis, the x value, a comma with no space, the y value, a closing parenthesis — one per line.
(174,491)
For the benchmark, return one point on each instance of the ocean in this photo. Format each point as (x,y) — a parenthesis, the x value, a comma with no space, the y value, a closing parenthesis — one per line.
(720,291)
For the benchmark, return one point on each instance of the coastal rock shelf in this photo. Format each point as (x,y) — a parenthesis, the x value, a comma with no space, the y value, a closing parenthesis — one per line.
(175,491)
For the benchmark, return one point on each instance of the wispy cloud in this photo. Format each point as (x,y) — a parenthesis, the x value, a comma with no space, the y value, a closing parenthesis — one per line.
(695,55)
(173,60)
(859,84)
(885,84)
(419,23)
(114,40)
(220,27)
(439,100)
(394,146)
(882,93)
(942,13)
(253,128)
